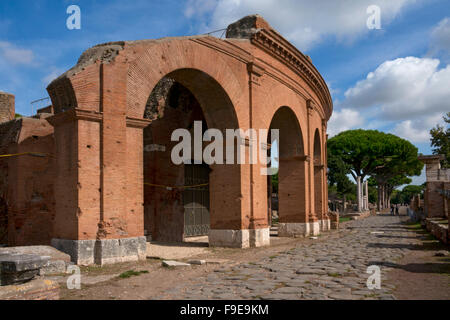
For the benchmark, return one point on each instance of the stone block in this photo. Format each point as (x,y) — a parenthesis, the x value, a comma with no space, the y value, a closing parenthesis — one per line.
(175,264)
(247,238)
(16,268)
(80,251)
(101,252)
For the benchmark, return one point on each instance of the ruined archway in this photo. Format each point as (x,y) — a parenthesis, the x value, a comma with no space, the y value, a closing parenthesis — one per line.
(291,174)
(178,203)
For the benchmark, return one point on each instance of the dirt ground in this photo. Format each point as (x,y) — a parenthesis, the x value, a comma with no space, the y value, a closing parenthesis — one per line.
(421,275)
(158,280)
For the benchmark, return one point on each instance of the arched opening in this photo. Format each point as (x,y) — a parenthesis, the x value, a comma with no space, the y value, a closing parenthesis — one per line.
(178,202)
(318,176)
(289,196)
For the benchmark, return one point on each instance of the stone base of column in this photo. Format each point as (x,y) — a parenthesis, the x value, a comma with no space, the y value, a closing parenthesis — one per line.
(325,225)
(314,228)
(101,252)
(294,229)
(248,238)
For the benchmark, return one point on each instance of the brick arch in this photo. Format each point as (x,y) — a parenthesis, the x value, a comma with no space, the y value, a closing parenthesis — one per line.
(207,76)
(317,148)
(319,181)
(214,101)
(292,188)
(185,60)
(291,136)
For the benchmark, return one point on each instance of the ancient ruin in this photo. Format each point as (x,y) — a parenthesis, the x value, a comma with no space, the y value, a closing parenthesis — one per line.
(93,172)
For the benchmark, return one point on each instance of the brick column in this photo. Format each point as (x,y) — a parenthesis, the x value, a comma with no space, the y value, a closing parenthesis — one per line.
(313,218)
(326,219)
(77,182)
(99,188)
(292,193)
(253,229)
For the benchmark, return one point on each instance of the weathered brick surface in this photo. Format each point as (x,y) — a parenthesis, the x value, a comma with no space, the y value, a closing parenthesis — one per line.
(33,290)
(7,107)
(27,187)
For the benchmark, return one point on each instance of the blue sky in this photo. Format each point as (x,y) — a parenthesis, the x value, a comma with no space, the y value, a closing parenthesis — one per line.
(395,79)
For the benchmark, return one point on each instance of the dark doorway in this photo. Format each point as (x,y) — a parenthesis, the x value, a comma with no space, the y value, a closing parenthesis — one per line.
(196,200)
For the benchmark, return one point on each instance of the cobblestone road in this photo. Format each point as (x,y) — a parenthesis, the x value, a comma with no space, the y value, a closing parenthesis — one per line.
(331,268)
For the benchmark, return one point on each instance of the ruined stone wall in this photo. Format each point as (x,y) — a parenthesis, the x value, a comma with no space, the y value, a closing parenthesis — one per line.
(26,187)
(435,203)
(7,107)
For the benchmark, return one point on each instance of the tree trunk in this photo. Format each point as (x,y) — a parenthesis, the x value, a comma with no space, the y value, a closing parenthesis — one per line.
(379,200)
(344,203)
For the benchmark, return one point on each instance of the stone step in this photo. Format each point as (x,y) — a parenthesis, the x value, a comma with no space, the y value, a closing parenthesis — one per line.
(20,268)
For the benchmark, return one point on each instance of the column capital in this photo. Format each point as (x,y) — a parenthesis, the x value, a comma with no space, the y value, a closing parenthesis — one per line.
(138,123)
(73,115)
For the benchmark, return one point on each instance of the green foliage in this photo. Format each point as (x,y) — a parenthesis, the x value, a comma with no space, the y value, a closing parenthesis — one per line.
(440,141)
(406,195)
(337,175)
(387,159)
(373,194)
(131,273)
(374,153)
(410,191)
(359,150)
(274,183)
(18,115)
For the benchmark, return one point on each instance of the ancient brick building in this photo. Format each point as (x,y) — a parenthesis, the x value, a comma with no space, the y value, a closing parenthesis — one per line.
(108,176)
(437,185)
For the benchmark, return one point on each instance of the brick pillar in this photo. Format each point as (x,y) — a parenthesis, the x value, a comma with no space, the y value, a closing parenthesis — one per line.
(313,217)
(99,188)
(292,193)
(77,182)
(239,219)
(326,222)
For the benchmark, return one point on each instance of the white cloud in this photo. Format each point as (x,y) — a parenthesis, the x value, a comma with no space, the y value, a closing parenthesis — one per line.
(413,92)
(15,55)
(418,131)
(403,89)
(407,130)
(303,22)
(440,37)
(343,120)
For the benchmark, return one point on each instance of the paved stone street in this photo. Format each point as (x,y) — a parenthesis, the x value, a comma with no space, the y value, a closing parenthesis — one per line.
(331,268)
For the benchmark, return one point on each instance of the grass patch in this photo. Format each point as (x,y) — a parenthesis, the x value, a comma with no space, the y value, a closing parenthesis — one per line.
(414,225)
(430,237)
(131,273)
(341,220)
(335,275)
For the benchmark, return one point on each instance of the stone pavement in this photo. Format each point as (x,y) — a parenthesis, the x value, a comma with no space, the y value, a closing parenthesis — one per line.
(333,267)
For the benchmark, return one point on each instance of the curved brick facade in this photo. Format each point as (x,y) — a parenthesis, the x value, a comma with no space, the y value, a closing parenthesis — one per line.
(252,79)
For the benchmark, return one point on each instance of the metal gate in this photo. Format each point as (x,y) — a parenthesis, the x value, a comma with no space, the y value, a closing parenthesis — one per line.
(196,200)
